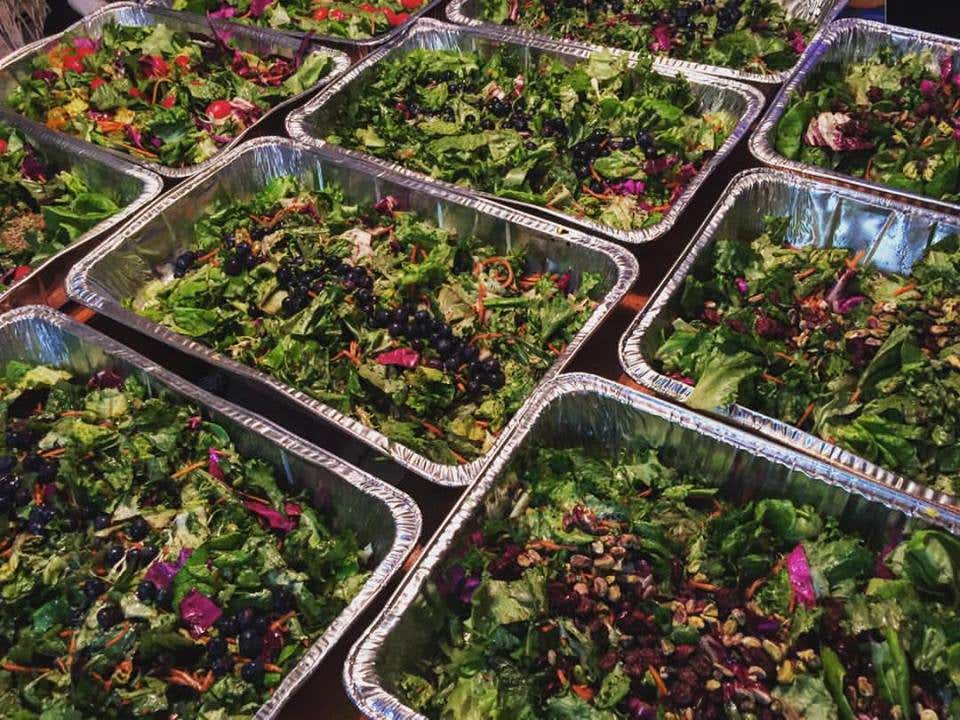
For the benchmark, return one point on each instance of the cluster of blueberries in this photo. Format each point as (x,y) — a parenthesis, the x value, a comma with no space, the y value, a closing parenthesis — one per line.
(601,143)
(238,257)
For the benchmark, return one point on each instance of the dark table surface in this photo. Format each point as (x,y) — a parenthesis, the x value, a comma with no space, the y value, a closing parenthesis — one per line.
(323,696)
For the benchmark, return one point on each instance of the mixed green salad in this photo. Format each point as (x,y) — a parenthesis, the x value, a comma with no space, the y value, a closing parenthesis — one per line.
(42,209)
(607,585)
(893,119)
(809,335)
(431,338)
(595,139)
(756,36)
(159,94)
(346,19)
(149,570)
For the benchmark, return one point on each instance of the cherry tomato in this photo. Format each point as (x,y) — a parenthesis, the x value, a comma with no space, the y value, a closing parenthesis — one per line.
(82,52)
(168,101)
(21,272)
(97,82)
(219,109)
(74,63)
(396,19)
(411,4)
(368,8)
(134,91)
(182,61)
(321,13)
(338,14)
(3,146)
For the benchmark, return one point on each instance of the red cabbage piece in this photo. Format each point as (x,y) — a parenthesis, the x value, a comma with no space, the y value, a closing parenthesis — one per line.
(798,570)
(662,39)
(213,463)
(199,613)
(274,519)
(402,357)
(224,12)
(258,6)
(109,378)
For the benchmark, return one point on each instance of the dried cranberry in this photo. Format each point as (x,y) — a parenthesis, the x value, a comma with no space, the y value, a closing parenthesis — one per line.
(769,328)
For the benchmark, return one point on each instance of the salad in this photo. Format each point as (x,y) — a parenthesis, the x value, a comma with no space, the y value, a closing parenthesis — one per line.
(892,119)
(864,359)
(433,339)
(756,36)
(42,209)
(159,94)
(351,20)
(595,139)
(149,569)
(601,587)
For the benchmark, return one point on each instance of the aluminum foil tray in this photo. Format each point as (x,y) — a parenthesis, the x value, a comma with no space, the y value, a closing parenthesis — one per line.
(356,47)
(311,122)
(818,12)
(380,514)
(580,410)
(133,187)
(121,265)
(843,43)
(14,66)
(893,235)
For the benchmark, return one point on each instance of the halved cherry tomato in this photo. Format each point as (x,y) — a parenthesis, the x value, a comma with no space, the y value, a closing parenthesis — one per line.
(83,51)
(369,8)
(3,146)
(338,14)
(219,109)
(21,272)
(411,4)
(182,60)
(169,101)
(74,63)
(321,13)
(97,82)
(396,19)
(134,91)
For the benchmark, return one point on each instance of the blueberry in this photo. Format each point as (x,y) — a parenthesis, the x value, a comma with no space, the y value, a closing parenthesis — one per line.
(451,363)
(627,143)
(442,346)
(164,597)
(113,555)
(283,600)
(252,672)
(497,380)
(486,124)
(146,591)
(380,318)
(22,497)
(462,261)
(644,140)
(233,266)
(259,625)
(226,626)
(185,260)
(133,558)
(108,616)
(138,528)
(250,643)
(284,275)
(7,463)
(243,250)
(292,304)
(148,553)
(254,311)
(222,665)
(470,353)
(39,516)
(582,170)
(21,440)
(395,329)
(245,618)
(94,588)
(217,648)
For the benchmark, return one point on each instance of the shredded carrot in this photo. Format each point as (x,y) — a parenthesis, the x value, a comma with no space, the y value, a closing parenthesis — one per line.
(806,415)
(14,668)
(555,350)
(584,692)
(547,545)
(855,260)
(805,274)
(119,636)
(855,396)
(198,683)
(212,253)
(784,356)
(61,666)
(187,469)
(38,494)
(99,678)
(432,429)
(72,413)
(770,378)
(562,677)
(270,667)
(706,587)
(413,254)
(353,354)
(793,600)
(481,310)
(124,666)
(458,457)
(904,289)
(56,452)
(591,193)
(754,586)
(530,280)
(505,264)
(482,423)
(717,510)
(484,336)
(282,620)
(645,493)
(662,690)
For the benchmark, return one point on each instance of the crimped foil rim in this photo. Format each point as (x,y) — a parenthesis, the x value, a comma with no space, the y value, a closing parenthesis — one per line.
(363,684)
(41,136)
(339,58)
(633,360)
(85,290)
(761,142)
(330,40)
(404,512)
(298,127)
(456,14)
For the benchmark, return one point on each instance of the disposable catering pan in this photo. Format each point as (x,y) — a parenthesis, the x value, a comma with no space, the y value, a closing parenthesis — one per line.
(892,235)
(357,48)
(379,514)
(15,66)
(312,122)
(131,186)
(580,410)
(843,43)
(817,12)
(104,279)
